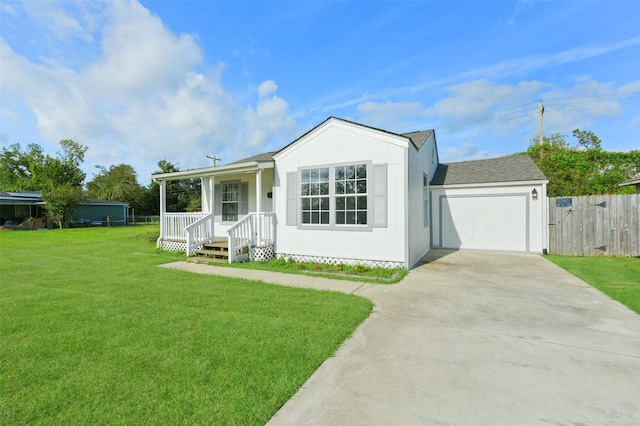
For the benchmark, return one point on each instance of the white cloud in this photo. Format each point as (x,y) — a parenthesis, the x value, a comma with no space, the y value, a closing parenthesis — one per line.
(461,152)
(480,99)
(269,117)
(394,116)
(140,54)
(143,98)
(267,88)
(581,105)
(52,16)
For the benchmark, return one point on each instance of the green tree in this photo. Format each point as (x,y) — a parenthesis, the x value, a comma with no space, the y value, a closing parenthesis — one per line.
(181,194)
(583,168)
(117,183)
(17,167)
(59,179)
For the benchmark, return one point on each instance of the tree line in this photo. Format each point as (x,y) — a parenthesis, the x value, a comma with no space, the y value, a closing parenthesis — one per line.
(61,182)
(582,167)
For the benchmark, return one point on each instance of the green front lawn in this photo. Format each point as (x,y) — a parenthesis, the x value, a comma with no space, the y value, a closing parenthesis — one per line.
(92,332)
(617,277)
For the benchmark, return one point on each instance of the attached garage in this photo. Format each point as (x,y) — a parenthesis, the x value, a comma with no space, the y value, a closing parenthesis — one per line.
(495,204)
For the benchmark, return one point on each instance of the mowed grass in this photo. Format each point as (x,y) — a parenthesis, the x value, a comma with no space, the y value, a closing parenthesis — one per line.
(617,277)
(92,332)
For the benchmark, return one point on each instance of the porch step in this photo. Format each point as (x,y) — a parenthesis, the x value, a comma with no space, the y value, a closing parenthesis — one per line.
(214,253)
(217,245)
(215,250)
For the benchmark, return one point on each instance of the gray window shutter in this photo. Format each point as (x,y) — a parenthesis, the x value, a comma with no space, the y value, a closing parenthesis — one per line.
(217,203)
(243,208)
(292,199)
(380,195)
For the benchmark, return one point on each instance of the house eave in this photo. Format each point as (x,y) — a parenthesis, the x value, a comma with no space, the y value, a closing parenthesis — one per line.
(489,184)
(251,166)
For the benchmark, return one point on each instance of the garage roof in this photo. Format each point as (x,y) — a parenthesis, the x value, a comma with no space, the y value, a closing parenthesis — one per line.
(504,169)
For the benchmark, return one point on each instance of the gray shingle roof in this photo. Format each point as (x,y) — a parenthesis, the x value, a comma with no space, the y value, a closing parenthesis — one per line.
(419,138)
(504,169)
(265,156)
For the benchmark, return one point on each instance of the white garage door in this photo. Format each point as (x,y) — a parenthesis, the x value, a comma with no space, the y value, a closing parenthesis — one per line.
(485,222)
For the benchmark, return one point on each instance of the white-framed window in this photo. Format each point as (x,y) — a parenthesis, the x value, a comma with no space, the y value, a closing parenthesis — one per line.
(351,194)
(346,196)
(334,195)
(314,196)
(230,201)
(425,200)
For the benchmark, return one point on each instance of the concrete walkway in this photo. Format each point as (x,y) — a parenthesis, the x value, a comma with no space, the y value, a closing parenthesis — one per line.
(474,338)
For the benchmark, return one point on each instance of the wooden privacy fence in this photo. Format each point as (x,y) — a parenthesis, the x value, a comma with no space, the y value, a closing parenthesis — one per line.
(595,225)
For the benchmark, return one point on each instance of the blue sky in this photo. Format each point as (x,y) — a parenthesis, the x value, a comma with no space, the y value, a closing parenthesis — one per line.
(139,82)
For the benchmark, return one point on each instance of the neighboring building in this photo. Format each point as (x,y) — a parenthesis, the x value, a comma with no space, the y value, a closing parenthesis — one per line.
(15,207)
(633,181)
(349,193)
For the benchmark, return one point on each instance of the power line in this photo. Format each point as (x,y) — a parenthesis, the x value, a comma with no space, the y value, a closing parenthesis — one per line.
(569,103)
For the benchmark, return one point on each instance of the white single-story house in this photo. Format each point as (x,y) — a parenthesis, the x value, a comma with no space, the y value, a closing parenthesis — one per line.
(348,193)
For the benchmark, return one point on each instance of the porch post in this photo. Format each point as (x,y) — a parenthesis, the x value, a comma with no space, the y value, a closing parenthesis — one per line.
(259,191)
(207,194)
(163,207)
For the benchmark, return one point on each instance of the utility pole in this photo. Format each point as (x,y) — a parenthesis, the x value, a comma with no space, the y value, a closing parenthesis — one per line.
(540,114)
(214,158)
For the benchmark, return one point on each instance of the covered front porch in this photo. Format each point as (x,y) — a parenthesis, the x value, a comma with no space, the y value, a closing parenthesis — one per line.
(236,214)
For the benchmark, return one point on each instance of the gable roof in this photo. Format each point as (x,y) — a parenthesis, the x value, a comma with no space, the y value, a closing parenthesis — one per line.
(419,138)
(504,169)
(416,138)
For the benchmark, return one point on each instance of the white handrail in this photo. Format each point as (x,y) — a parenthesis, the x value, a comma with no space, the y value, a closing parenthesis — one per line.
(255,229)
(198,232)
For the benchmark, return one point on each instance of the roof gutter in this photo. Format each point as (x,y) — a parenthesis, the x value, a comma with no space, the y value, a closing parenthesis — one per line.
(214,170)
(488,184)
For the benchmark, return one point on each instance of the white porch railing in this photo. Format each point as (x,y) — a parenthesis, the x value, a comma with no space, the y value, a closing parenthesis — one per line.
(183,231)
(253,230)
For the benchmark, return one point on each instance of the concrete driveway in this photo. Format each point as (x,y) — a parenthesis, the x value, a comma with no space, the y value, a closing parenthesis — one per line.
(480,338)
